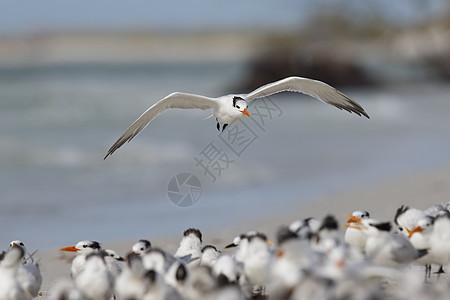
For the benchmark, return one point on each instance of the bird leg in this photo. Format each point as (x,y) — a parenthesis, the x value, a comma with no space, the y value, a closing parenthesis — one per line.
(224,126)
(218,125)
(440,271)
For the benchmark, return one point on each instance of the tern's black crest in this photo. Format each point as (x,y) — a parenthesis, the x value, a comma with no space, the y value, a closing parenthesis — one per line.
(383,226)
(208,247)
(146,243)
(95,245)
(235,99)
(258,235)
(193,231)
(329,223)
(401,210)
(285,234)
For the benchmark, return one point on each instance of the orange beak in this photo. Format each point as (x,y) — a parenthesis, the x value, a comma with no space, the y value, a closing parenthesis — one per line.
(411,232)
(353,219)
(70,249)
(245,112)
(280,253)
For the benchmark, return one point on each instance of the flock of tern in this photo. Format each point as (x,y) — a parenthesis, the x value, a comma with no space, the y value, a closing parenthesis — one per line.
(309,259)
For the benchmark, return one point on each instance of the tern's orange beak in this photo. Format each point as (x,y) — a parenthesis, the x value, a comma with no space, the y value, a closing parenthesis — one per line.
(411,232)
(353,219)
(245,112)
(70,249)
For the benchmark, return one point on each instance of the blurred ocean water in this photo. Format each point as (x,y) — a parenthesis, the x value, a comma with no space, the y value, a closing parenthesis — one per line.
(57,122)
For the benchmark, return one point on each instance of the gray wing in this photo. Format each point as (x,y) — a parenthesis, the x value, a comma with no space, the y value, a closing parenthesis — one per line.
(313,88)
(174,100)
(403,251)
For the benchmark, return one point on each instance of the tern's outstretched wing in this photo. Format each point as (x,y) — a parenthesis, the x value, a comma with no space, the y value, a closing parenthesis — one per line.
(313,88)
(174,100)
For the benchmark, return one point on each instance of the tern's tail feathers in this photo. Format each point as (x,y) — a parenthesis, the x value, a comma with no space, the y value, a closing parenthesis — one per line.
(421,252)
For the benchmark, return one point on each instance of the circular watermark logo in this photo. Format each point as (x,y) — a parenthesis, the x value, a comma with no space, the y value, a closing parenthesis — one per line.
(184,189)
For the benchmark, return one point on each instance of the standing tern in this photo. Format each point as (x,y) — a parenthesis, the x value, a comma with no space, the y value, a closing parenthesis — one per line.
(10,286)
(231,108)
(353,235)
(28,273)
(190,250)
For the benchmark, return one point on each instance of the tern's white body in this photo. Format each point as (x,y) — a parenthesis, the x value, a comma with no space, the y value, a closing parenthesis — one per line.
(114,262)
(10,286)
(95,280)
(353,235)
(28,273)
(257,261)
(189,250)
(231,108)
(440,240)
(210,255)
(226,267)
(385,248)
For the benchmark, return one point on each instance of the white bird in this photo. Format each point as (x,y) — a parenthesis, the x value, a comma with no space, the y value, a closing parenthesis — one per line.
(305,228)
(131,284)
(440,239)
(28,273)
(407,218)
(226,270)
(10,287)
(353,235)
(209,257)
(114,262)
(231,108)
(95,280)
(155,259)
(388,249)
(176,276)
(189,250)
(257,260)
(82,249)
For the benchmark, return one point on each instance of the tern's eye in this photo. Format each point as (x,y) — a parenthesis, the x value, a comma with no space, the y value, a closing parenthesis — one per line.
(84,246)
(21,244)
(142,249)
(238,106)
(400,228)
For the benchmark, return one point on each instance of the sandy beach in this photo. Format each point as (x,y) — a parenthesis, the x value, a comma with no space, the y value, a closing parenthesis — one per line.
(382,199)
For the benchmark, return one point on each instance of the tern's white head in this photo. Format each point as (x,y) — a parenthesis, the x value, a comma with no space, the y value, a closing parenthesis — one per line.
(358,215)
(18,244)
(241,105)
(12,258)
(83,247)
(424,225)
(141,247)
(192,238)
(111,254)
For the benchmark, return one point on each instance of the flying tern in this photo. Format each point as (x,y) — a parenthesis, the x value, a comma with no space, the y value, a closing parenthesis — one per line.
(231,108)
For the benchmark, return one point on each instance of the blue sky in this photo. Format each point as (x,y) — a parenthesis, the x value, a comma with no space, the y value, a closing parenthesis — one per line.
(45,15)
